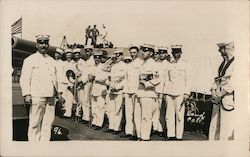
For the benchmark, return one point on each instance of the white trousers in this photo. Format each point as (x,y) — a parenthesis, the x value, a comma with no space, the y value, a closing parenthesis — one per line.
(41,117)
(222,121)
(98,110)
(85,102)
(69,98)
(156,114)
(116,117)
(175,116)
(147,105)
(80,95)
(129,114)
(214,124)
(110,110)
(137,116)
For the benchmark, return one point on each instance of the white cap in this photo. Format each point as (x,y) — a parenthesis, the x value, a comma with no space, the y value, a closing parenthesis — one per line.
(134,46)
(59,50)
(148,46)
(98,53)
(68,50)
(162,49)
(88,47)
(76,50)
(127,58)
(118,51)
(176,46)
(229,45)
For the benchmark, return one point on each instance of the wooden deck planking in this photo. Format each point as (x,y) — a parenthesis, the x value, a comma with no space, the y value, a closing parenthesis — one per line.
(79,131)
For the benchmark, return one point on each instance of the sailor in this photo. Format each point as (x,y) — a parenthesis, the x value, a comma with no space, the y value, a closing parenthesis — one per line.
(127,60)
(98,91)
(148,79)
(89,58)
(38,83)
(87,34)
(59,74)
(94,32)
(79,66)
(223,121)
(132,106)
(117,77)
(160,58)
(68,83)
(79,62)
(177,93)
(109,106)
(59,64)
(89,64)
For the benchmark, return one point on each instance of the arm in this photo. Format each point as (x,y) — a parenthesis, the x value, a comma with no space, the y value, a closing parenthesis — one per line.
(187,80)
(228,81)
(25,78)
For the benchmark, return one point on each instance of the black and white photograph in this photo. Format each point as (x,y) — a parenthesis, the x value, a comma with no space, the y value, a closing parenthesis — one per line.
(124,78)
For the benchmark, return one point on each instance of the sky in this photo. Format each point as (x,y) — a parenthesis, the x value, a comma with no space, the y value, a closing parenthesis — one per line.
(197,25)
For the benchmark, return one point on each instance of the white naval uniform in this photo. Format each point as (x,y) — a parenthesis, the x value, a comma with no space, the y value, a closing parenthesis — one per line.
(161,69)
(79,69)
(117,74)
(222,121)
(67,94)
(132,106)
(59,72)
(178,84)
(38,79)
(147,97)
(88,69)
(99,92)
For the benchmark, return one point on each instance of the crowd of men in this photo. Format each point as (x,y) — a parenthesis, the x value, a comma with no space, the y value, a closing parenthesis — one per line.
(100,85)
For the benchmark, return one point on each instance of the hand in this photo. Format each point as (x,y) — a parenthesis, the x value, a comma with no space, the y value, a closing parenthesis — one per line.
(27,99)
(185,97)
(91,78)
(220,94)
(112,88)
(142,81)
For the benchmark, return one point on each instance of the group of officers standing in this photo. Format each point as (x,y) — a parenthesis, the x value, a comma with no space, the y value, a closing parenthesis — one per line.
(105,81)
(100,84)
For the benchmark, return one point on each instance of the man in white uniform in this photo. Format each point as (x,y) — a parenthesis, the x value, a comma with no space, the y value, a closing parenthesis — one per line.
(68,83)
(89,64)
(38,83)
(98,92)
(117,75)
(179,90)
(60,76)
(59,66)
(223,96)
(148,79)
(161,67)
(79,66)
(132,107)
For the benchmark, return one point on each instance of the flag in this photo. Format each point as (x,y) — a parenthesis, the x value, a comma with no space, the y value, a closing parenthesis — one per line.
(16,27)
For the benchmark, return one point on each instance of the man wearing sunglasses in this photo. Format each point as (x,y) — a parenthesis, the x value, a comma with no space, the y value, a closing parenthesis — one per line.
(148,79)
(117,77)
(223,97)
(160,60)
